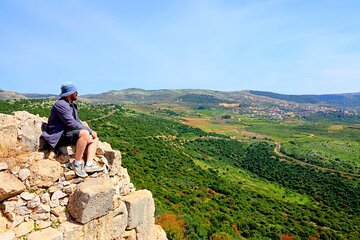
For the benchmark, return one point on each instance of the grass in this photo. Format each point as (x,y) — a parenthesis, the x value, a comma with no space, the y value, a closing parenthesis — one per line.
(254,184)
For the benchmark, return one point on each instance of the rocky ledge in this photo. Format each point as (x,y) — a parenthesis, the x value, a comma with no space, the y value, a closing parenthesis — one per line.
(42,198)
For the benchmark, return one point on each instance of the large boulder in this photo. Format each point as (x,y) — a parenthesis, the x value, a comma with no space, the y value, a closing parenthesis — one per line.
(8,131)
(46,234)
(92,199)
(141,208)
(45,172)
(9,185)
(29,129)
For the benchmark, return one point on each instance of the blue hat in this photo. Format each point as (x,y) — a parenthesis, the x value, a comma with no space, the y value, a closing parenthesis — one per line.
(67,89)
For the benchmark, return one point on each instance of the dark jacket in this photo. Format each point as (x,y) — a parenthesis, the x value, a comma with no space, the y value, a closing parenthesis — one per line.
(63,117)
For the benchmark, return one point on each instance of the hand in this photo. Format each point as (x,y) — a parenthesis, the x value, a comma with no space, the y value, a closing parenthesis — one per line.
(94,135)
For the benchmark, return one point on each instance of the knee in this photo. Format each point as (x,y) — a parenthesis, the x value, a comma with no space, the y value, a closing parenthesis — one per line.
(84,134)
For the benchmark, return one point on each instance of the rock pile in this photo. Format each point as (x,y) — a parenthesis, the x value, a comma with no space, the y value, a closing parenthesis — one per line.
(42,198)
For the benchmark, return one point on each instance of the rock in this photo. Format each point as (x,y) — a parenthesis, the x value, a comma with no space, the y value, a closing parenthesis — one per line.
(23,211)
(9,185)
(45,172)
(40,224)
(24,173)
(8,235)
(43,208)
(46,234)
(129,235)
(24,228)
(45,197)
(33,203)
(29,129)
(92,199)
(3,222)
(102,148)
(8,206)
(27,196)
(114,161)
(3,166)
(41,216)
(57,211)
(57,195)
(70,175)
(17,221)
(8,131)
(15,170)
(140,206)
(67,150)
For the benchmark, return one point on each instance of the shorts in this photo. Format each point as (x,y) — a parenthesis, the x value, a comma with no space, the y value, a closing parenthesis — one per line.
(69,138)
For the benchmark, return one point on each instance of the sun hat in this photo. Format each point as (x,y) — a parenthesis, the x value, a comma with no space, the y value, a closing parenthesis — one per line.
(67,89)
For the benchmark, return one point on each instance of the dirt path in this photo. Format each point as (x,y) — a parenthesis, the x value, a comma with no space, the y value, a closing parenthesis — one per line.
(288,158)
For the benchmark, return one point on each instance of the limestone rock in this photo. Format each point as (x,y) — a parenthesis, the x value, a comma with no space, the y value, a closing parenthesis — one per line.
(67,150)
(9,185)
(24,228)
(140,206)
(27,196)
(8,235)
(102,147)
(92,199)
(46,234)
(33,203)
(29,129)
(45,172)
(8,131)
(24,173)
(114,161)
(3,166)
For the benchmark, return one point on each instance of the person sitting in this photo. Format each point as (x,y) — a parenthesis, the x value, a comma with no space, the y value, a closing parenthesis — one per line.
(64,128)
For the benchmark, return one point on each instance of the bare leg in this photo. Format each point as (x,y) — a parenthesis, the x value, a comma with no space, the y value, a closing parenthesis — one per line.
(81,144)
(91,149)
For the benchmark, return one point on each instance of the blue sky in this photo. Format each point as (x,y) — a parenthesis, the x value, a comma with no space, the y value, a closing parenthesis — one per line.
(284,46)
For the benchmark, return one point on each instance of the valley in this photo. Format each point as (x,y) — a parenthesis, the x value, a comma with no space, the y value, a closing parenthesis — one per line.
(214,173)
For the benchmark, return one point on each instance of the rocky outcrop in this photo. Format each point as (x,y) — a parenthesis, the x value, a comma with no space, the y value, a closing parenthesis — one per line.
(42,198)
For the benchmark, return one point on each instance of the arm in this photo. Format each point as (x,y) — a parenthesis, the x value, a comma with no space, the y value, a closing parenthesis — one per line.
(63,111)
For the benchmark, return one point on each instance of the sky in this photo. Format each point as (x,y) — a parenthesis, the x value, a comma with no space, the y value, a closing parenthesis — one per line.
(283,46)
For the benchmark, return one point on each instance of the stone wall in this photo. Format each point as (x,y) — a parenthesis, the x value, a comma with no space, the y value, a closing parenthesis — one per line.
(42,198)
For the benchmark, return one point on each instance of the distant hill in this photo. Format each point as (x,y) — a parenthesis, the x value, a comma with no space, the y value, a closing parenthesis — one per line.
(351,100)
(5,95)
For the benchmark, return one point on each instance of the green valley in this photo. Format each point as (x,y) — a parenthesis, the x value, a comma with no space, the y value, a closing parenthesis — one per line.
(214,174)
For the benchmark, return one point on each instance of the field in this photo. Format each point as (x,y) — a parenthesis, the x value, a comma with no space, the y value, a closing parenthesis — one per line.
(218,177)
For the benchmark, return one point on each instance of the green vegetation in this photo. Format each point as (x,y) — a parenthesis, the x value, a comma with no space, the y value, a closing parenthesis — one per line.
(208,186)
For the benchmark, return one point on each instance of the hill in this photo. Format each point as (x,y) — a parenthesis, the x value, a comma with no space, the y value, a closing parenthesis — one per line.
(216,184)
(346,100)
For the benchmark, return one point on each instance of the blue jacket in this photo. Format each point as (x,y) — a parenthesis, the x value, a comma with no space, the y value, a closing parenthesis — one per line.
(63,117)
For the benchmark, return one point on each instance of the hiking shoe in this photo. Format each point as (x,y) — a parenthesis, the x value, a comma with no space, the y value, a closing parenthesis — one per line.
(79,170)
(93,168)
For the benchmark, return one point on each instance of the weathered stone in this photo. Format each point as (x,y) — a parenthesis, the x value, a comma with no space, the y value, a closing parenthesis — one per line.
(10,215)
(43,208)
(114,160)
(41,216)
(8,235)
(63,159)
(3,222)
(57,211)
(21,202)
(15,170)
(57,195)
(54,203)
(33,203)
(92,199)
(17,221)
(8,131)
(8,206)
(29,129)
(24,173)
(40,224)
(69,189)
(129,235)
(27,196)
(45,172)
(24,228)
(46,234)
(67,150)
(3,166)
(70,175)
(140,206)
(9,185)
(102,148)
(64,201)
(23,211)
(45,197)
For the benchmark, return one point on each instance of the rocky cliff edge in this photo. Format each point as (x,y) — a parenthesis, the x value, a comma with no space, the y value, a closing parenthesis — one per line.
(42,198)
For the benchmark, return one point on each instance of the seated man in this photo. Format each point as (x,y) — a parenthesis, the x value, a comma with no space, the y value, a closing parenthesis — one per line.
(65,128)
